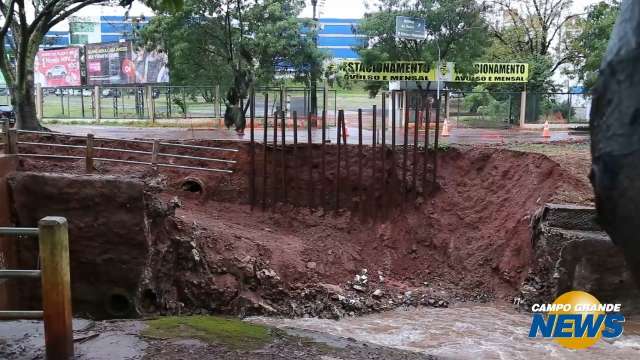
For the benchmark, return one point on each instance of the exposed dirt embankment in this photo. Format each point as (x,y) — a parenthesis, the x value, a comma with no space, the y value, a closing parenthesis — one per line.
(467,239)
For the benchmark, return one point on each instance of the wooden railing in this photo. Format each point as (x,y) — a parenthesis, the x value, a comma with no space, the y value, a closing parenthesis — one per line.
(53,239)
(11,143)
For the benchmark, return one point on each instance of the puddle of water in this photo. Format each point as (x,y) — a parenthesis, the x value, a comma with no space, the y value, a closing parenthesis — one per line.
(463,332)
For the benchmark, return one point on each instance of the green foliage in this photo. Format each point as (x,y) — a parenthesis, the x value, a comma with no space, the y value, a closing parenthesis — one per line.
(480,101)
(456,26)
(229,332)
(235,44)
(590,44)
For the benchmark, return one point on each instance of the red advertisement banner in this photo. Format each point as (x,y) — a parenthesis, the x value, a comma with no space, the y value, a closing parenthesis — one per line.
(59,67)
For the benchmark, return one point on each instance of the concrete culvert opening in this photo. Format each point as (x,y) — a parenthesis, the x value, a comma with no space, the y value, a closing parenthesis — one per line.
(192,185)
(118,304)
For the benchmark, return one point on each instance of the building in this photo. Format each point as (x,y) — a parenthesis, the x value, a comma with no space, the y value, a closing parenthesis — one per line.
(338,36)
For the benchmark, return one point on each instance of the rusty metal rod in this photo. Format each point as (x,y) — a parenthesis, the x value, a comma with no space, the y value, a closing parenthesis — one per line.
(69,157)
(16,231)
(124,161)
(194,168)
(404,150)
(426,143)
(310,161)
(323,164)
(393,121)
(197,158)
(274,182)
(14,274)
(198,147)
(53,145)
(435,144)
(373,181)
(415,144)
(338,128)
(252,180)
(295,147)
(265,124)
(360,184)
(122,150)
(383,129)
(21,315)
(283,155)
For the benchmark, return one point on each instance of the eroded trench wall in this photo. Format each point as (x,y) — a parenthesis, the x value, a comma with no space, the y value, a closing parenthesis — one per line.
(8,244)
(476,221)
(107,230)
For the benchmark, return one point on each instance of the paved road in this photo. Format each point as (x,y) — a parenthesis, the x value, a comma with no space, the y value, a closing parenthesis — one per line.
(458,136)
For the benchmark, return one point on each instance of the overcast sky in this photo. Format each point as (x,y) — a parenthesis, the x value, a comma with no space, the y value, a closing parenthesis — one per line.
(344,9)
(347,9)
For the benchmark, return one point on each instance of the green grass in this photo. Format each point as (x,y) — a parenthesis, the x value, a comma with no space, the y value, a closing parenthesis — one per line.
(229,332)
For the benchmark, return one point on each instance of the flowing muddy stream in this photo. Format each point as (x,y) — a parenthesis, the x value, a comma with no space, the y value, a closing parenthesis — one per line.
(463,332)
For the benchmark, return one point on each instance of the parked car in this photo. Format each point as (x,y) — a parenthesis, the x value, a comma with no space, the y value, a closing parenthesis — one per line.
(6,112)
(111,93)
(57,71)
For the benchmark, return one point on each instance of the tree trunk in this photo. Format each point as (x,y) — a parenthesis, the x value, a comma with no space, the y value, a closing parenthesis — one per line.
(24,105)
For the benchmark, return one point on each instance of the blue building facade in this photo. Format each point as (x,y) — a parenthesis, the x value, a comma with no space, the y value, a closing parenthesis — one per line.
(337,36)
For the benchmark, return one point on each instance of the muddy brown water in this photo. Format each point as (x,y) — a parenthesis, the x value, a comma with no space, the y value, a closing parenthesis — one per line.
(463,332)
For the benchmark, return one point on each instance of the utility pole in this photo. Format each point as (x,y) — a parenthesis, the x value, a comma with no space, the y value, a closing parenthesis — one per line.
(314,68)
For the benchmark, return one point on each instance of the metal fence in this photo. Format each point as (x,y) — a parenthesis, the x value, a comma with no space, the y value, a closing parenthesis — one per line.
(483,109)
(557,108)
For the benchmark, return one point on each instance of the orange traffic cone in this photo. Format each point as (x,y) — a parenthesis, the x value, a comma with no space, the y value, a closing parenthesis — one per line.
(445,128)
(545,131)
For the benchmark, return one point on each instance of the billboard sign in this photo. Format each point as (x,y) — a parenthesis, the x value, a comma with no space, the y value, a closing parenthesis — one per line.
(150,66)
(109,63)
(120,63)
(58,67)
(410,28)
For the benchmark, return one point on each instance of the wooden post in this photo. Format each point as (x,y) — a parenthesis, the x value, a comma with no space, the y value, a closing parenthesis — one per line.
(56,289)
(12,144)
(154,153)
(151,104)
(96,102)
(89,154)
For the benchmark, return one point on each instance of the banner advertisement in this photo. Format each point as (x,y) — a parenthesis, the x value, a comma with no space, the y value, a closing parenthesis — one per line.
(109,63)
(421,71)
(120,63)
(59,67)
(151,66)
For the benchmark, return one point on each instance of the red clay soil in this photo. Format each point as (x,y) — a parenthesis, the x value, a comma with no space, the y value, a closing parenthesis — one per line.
(468,238)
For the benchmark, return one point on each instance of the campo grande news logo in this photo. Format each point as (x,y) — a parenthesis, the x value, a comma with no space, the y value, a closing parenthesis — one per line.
(576,320)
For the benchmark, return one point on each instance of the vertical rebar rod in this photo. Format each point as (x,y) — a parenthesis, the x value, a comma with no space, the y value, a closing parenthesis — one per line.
(310,161)
(252,181)
(393,121)
(435,144)
(427,122)
(374,140)
(283,155)
(416,120)
(361,191)
(265,124)
(295,148)
(338,128)
(383,129)
(404,150)
(322,154)
(375,133)
(273,158)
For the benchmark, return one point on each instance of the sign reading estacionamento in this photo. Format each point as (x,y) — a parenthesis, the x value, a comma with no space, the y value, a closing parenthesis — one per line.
(421,71)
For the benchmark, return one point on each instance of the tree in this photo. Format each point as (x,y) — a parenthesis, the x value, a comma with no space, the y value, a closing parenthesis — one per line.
(23,29)
(590,43)
(235,43)
(455,26)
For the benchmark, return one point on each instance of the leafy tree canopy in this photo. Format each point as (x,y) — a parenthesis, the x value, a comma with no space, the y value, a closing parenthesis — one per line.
(455,26)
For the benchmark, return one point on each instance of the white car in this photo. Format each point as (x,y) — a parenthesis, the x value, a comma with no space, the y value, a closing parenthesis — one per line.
(57,71)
